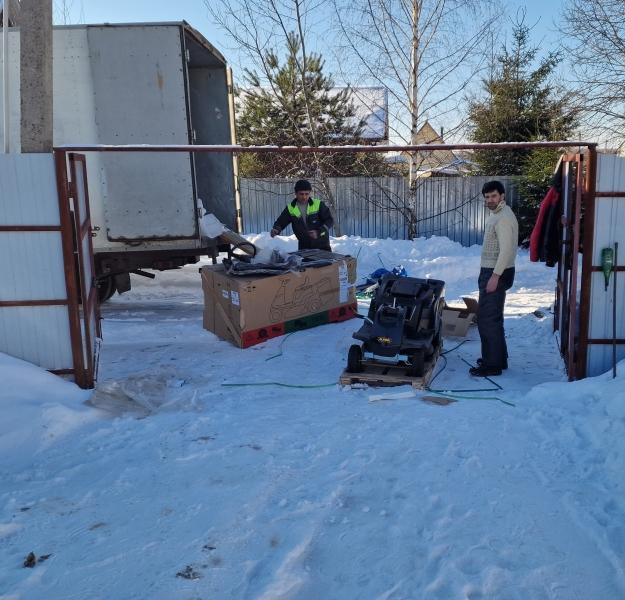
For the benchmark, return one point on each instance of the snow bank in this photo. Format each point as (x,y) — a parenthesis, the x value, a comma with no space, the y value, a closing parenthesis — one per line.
(37,408)
(269,492)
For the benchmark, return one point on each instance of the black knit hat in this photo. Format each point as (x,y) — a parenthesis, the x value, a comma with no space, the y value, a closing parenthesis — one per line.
(303,185)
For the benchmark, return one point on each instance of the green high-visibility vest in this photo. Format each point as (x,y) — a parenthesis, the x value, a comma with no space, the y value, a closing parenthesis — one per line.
(311,209)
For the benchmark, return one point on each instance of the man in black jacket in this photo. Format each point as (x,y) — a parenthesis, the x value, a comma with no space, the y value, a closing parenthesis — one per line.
(310,218)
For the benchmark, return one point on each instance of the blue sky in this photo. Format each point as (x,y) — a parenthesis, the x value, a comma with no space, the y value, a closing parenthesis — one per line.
(541,12)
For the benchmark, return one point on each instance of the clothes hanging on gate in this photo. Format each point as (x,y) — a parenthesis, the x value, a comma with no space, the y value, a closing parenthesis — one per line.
(546,232)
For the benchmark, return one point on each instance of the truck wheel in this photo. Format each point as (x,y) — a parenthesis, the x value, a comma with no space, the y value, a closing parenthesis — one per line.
(417,364)
(106,288)
(354,359)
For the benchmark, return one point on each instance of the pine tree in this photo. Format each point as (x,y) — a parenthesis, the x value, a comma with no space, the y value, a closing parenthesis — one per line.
(522,105)
(299,108)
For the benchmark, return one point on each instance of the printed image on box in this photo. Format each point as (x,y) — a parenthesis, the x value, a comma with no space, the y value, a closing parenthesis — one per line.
(292,300)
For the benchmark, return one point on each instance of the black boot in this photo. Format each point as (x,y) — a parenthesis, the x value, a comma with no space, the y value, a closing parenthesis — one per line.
(480,361)
(484,371)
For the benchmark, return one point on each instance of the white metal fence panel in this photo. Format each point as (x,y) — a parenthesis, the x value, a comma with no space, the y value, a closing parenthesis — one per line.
(37,334)
(609,228)
(31,264)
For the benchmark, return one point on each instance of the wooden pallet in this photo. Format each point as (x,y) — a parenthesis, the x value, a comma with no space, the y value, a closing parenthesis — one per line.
(387,375)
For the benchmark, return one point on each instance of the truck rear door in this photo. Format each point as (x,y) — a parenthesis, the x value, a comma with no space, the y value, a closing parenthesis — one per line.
(140,98)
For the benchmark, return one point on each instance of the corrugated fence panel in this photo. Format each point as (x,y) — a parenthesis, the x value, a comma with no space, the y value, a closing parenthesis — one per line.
(31,263)
(609,228)
(37,334)
(377,207)
(31,266)
(262,200)
(369,207)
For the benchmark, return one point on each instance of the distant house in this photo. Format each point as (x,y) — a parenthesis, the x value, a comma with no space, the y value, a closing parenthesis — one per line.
(437,163)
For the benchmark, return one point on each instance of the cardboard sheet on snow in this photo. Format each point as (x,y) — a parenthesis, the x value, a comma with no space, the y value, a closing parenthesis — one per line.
(458,319)
(246,310)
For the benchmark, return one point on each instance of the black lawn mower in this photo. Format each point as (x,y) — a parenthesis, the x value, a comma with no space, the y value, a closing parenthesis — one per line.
(403,326)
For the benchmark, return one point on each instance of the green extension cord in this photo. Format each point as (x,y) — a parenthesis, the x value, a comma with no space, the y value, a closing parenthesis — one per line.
(443,393)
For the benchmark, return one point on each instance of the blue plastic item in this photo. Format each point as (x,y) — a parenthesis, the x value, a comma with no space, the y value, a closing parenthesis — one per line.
(378,274)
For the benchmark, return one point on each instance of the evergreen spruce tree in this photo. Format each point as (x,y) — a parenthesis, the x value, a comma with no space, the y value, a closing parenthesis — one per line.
(522,105)
(298,108)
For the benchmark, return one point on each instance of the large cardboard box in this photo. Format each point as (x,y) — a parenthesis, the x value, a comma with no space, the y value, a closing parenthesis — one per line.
(247,310)
(457,320)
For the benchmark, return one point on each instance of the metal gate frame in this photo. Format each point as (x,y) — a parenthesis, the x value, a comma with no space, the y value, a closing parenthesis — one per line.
(572,317)
(590,198)
(82,298)
(580,209)
(52,300)
(566,308)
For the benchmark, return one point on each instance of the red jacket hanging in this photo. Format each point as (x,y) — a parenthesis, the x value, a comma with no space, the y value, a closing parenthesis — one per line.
(543,240)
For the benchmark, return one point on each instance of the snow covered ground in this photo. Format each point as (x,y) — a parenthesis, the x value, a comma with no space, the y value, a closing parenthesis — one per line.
(167,484)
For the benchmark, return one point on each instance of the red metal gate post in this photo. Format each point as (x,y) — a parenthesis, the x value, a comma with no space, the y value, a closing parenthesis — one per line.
(588,241)
(67,237)
(573,307)
(90,330)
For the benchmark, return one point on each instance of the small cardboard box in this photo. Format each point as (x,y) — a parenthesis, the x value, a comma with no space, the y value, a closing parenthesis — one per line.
(457,320)
(248,310)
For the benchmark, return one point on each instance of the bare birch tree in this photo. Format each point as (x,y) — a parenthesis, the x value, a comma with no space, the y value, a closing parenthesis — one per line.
(426,53)
(594,36)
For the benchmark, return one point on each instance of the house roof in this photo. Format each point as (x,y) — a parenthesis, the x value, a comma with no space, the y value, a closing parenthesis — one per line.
(437,159)
(436,162)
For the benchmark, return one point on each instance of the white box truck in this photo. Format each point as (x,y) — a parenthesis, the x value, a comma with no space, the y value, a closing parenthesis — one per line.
(141,83)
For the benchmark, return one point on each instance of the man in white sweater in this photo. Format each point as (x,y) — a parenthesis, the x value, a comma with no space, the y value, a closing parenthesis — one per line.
(496,277)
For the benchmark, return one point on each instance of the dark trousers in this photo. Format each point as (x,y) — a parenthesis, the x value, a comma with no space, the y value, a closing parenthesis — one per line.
(490,318)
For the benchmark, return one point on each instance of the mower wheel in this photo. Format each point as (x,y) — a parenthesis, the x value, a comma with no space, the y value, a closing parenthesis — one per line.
(354,359)
(416,366)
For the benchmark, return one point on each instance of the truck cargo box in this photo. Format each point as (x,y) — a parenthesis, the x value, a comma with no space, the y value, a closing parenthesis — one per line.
(141,83)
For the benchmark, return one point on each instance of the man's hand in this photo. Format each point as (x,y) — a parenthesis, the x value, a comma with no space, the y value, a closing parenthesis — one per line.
(492,284)
(274,232)
(313,233)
